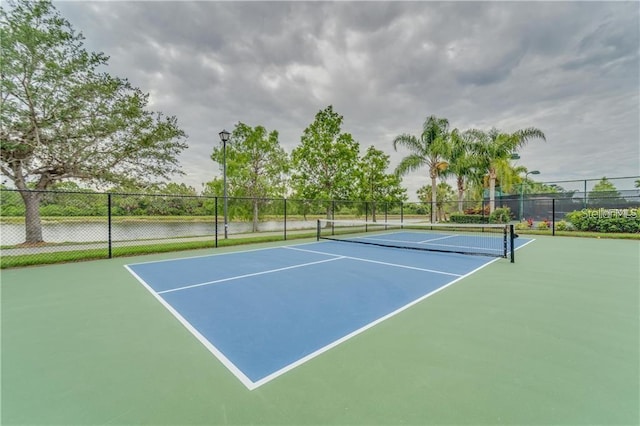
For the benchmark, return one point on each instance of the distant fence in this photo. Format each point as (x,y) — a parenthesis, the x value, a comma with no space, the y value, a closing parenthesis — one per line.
(586,185)
(81,225)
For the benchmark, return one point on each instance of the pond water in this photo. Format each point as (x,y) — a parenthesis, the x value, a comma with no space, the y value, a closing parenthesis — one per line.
(80,232)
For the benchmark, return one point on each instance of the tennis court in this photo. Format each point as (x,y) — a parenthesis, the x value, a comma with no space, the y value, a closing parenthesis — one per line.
(328,332)
(263,312)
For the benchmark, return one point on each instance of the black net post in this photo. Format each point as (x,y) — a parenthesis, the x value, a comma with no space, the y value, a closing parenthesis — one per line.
(512,243)
(318,225)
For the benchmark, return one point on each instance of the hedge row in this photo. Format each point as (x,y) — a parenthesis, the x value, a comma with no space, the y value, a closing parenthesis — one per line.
(606,220)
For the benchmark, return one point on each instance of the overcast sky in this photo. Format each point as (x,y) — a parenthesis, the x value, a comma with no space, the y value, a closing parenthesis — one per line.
(570,69)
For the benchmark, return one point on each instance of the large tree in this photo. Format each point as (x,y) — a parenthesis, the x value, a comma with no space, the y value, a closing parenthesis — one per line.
(495,151)
(256,164)
(375,184)
(427,150)
(325,162)
(63,119)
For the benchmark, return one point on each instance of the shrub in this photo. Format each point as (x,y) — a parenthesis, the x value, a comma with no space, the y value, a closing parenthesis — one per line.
(563,225)
(500,215)
(544,225)
(467,218)
(606,220)
(522,225)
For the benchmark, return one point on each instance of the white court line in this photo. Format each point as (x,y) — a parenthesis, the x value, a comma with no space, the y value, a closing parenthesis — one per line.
(248,275)
(207,344)
(395,265)
(248,383)
(362,329)
(439,238)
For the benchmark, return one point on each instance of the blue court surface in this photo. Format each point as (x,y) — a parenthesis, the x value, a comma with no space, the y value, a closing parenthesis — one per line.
(263,312)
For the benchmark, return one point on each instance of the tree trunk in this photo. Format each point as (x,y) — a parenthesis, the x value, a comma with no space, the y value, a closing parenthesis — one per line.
(492,191)
(434,194)
(33,225)
(460,194)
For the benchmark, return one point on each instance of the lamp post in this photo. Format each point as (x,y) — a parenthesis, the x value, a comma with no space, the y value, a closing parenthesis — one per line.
(533,172)
(224,137)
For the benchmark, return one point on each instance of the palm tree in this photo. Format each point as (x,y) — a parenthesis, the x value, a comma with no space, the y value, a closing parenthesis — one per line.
(496,150)
(429,149)
(462,162)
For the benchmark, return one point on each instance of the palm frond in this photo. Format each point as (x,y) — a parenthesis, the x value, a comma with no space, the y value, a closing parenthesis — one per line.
(408,141)
(410,163)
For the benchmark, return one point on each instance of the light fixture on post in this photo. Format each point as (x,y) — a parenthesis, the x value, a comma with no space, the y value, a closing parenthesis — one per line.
(533,172)
(224,137)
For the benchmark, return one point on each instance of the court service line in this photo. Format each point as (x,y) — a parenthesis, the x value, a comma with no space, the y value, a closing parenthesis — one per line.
(363,328)
(395,265)
(249,275)
(439,238)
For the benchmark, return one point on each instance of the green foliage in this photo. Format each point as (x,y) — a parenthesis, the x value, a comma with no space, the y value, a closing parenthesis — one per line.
(544,225)
(500,215)
(428,150)
(494,150)
(375,184)
(444,194)
(323,162)
(468,218)
(610,220)
(64,118)
(521,226)
(563,225)
(255,162)
(49,84)
(605,194)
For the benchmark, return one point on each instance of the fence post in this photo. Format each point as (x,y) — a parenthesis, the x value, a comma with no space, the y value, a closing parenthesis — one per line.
(215,213)
(401,215)
(553,216)
(285,218)
(366,215)
(109,223)
(483,219)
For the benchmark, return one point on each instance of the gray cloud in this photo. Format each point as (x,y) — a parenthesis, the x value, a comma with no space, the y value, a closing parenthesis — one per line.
(570,69)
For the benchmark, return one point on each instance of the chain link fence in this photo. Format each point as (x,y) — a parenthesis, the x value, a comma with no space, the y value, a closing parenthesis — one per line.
(70,226)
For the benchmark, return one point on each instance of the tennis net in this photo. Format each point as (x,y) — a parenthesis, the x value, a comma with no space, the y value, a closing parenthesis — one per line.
(474,239)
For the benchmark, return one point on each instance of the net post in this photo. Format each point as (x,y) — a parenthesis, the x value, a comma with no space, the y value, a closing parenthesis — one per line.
(511,242)
(318,231)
